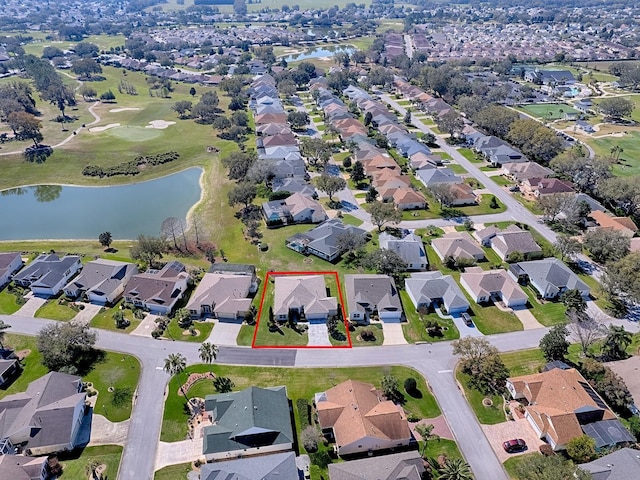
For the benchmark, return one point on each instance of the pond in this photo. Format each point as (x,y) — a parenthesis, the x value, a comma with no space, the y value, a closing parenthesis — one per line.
(319,52)
(61,212)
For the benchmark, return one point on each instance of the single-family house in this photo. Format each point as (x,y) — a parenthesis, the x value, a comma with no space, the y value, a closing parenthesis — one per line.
(485,235)
(523,171)
(561,405)
(585,126)
(514,240)
(359,419)
(249,422)
(48,273)
(549,277)
(24,467)
(47,417)
(491,285)
(296,208)
(549,77)
(10,263)
(397,466)
(158,290)
(302,297)
(622,464)
(624,225)
(432,289)
(102,280)
(222,296)
(457,245)
(583,105)
(225,268)
(293,185)
(547,186)
(410,248)
(9,366)
(422,160)
(434,176)
(371,294)
(277,466)
(461,194)
(324,240)
(405,198)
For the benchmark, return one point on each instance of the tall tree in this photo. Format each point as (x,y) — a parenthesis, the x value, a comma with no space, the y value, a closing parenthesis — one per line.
(385,262)
(243,193)
(567,246)
(554,344)
(357,173)
(25,127)
(615,343)
(330,184)
(316,150)
(182,107)
(208,353)
(606,245)
(59,95)
(426,432)
(555,467)
(574,303)
(148,249)
(621,278)
(67,347)
(481,362)
(616,107)
(383,213)
(105,239)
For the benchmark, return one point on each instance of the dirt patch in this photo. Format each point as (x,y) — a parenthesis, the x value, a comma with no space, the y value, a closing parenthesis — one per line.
(22,354)
(188,332)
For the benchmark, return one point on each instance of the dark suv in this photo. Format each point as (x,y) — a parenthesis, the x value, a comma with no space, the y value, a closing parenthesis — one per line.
(466,318)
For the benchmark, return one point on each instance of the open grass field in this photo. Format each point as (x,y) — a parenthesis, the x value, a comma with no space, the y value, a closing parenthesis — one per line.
(104,42)
(300,383)
(629,164)
(548,111)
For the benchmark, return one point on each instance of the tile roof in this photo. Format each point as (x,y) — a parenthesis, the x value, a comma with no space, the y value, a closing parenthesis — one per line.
(613,223)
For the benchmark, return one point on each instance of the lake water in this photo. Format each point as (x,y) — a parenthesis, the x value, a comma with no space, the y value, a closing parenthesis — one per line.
(55,212)
(319,52)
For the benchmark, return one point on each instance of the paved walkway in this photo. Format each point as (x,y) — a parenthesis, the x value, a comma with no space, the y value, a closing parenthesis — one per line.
(87,313)
(318,335)
(393,334)
(147,325)
(225,333)
(529,322)
(30,308)
(104,432)
(173,453)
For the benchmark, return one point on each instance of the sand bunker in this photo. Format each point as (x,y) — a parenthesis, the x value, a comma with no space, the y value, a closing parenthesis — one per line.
(159,124)
(106,127)
(124,109)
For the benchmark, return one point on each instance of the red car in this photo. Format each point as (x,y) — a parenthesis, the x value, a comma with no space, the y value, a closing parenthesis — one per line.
(514,445)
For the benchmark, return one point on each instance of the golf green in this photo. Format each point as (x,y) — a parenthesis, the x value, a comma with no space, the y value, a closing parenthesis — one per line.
(134,134)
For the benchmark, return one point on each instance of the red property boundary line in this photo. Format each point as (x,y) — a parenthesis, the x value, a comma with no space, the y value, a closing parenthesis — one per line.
(344,313)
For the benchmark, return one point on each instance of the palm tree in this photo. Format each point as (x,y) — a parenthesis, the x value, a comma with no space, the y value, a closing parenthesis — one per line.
(424,431)
(208,353)
(3,327)
(455,469)
(175,364)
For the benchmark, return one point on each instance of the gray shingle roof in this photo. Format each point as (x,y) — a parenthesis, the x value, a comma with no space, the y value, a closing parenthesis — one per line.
(410,248)
(103,276)
(426,287)
(250,418)
(371,292)
(46,270)
(399,466)
(278,466)
(623,464)
(552,275)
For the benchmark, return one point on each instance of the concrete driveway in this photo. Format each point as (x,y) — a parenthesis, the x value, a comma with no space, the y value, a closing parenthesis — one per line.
(30,308)
(104,432)
(87,313)
(225,333)
(393,334)
(147,325)
(520,428)
(173,453)
(527,319)
(318,335)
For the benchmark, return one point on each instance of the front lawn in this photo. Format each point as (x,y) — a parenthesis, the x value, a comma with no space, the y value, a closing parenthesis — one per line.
(75,462)
(104,319)
(457,169)
(489,319)
(415,328)
(31,364)
(351,220)
(486,415)
(358,341)
(442,447)
(54,310)
(173,472)
(548,313)
(501,180)
(523,362)
(8,302)
(202,330)
(470,155)
(482,208)
(300,383)
(511,465)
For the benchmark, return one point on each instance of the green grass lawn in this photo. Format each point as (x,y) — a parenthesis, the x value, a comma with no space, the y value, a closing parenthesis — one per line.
(75,462)
(8,302)
(104,319)
(203,330)
(547,313)
(530,205)
(511,465)
(376,328)
(501,180)
(173,472)
(490,319)
(486,415)
(351,220)
(483,208)
(300,382)
(548,111)
(629,164)
(457,169)
(442,447)
(470,155)
(415,331)
(245,337)
(523,362)
(115,369)
(55,311)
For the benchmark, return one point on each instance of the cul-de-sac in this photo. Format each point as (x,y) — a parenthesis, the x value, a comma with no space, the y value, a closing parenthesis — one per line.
(289,240)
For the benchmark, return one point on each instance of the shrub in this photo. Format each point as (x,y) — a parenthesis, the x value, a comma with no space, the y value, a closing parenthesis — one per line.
(320,458)
(304,412)
(368,335)
(157,333)
(309,438)
(413,418)
(120,321)
(547,450)
(410,385)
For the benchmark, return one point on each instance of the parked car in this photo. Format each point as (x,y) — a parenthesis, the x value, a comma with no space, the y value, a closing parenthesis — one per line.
(466,318)
(514,445)
(514,188)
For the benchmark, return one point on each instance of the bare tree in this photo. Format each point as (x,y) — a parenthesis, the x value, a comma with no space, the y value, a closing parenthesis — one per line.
(174,227)
(585,330)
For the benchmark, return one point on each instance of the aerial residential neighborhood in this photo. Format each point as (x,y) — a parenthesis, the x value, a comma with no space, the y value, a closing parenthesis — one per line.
(251,240)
